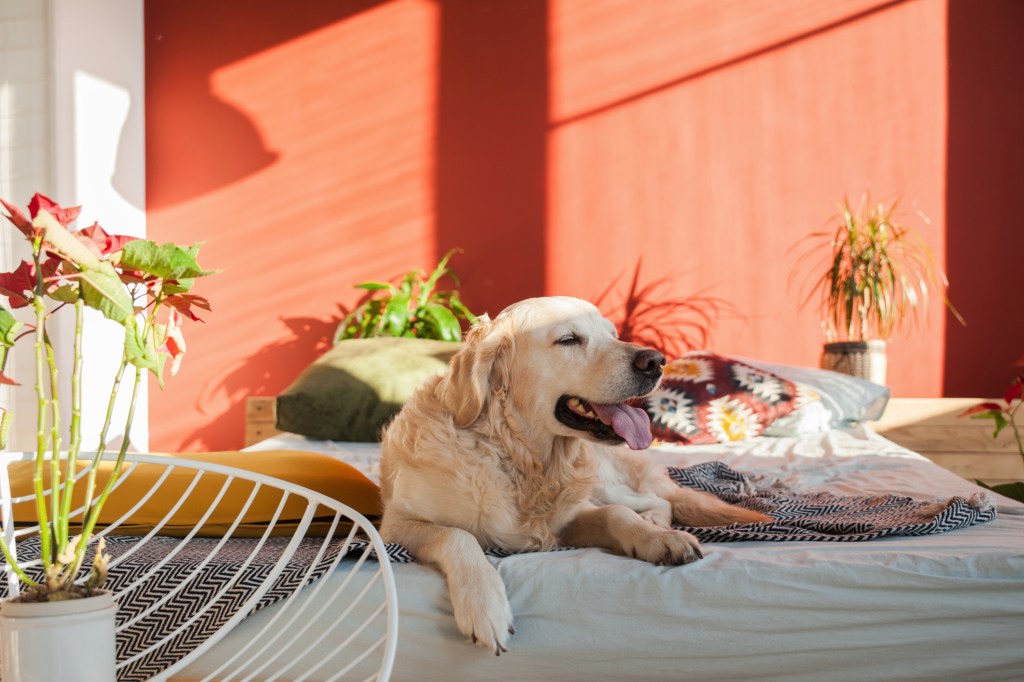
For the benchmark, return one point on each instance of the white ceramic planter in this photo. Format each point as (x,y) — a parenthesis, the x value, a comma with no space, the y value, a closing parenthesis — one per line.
(59,641)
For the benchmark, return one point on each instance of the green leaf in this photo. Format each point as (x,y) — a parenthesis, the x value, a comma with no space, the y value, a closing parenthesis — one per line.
(141,352)
(178,286)
(374,286)
(1001,423)
(65,294)
(396,314)
(445,324)
(9,327)
(103,290)
(1013,490)
(166,261)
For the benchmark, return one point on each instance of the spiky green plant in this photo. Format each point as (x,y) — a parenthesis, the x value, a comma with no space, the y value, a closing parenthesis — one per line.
(870,273)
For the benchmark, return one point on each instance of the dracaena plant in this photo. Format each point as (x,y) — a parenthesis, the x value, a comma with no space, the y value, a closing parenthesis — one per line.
(136,283)
(871,273)
(415,308)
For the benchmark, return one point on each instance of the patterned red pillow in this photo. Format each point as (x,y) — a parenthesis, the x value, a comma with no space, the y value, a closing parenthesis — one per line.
(707,398)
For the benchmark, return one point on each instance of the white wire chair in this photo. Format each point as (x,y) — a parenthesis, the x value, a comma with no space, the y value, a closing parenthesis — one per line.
(178,597)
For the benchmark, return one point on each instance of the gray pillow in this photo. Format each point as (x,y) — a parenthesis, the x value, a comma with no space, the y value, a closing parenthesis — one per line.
(847,398)
(352,391)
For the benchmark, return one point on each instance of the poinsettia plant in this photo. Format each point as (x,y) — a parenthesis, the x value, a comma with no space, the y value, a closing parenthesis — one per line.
(1003,415)
(138,284)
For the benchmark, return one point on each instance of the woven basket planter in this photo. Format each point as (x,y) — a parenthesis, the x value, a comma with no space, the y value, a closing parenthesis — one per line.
(862,359)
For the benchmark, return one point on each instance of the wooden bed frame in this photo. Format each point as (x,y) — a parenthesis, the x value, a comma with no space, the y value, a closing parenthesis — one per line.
(929,426)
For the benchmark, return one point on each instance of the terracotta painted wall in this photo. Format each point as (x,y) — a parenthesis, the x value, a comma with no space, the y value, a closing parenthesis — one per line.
(558,142)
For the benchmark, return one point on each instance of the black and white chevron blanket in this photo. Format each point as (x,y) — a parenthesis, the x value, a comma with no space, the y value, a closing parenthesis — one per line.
(187,584)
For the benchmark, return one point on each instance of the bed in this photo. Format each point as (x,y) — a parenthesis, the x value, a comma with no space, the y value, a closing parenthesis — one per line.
(948,605)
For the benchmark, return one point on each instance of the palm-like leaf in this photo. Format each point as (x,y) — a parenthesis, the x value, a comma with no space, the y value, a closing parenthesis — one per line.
(876,274)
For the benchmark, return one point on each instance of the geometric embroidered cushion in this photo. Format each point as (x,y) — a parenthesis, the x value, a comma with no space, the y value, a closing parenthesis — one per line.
(707,398)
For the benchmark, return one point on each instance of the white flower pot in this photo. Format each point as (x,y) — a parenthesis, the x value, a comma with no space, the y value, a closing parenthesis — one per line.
(59,641)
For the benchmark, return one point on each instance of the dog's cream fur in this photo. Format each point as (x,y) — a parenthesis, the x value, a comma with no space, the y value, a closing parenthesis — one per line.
(477,458)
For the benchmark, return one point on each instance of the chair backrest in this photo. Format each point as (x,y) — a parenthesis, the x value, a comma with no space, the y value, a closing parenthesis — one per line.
(222,544)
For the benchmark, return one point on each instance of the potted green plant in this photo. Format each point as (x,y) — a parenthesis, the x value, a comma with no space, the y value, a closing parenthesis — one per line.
(871,274)
(414,308)
(135,283)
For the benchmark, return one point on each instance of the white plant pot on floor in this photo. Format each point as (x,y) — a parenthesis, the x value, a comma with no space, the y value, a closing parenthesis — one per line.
(61,641)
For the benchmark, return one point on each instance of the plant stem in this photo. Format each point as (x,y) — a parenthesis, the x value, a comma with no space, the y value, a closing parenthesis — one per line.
(1016,431)
(94,512)
(37,477)
(75,443)
(22,576)
(102,447)
(59,529)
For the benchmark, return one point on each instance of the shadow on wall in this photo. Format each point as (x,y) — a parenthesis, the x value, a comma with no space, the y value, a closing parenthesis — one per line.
(266,372)
(221,143)
(492,146)
(984,176)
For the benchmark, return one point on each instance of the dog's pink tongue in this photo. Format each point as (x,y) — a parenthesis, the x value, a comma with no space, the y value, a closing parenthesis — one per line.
(631,423)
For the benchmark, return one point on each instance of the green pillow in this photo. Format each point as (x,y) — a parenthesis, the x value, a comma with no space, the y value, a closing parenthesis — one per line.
(353,390)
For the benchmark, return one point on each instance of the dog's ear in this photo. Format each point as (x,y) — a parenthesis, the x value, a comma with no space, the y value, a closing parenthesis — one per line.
(464,389)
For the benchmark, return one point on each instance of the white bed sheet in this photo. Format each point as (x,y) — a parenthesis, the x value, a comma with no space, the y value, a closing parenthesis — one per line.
(948,606)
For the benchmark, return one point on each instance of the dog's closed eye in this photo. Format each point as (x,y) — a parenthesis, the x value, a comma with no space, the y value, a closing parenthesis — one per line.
(570,340)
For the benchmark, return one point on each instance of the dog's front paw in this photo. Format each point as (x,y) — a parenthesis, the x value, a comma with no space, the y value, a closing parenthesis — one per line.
(482,612)
(659,517)
(667,547)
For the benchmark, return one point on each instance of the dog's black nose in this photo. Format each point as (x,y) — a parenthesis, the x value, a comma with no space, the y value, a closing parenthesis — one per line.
(649,362)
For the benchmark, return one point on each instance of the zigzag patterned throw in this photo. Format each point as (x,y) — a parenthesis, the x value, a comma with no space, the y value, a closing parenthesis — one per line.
(197,590)
(825,517)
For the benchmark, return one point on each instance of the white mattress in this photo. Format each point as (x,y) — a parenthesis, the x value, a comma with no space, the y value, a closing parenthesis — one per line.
(948,606)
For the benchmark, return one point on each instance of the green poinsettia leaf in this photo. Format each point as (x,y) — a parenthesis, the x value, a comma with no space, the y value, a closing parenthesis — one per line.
(166,261)
(102,289)
(179,286)
(142,352)
(65,294)
(9,327)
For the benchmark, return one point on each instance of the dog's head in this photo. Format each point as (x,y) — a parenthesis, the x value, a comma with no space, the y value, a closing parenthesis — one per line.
(559,366)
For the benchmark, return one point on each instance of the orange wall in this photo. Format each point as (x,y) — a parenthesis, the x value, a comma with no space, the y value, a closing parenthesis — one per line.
(315,145)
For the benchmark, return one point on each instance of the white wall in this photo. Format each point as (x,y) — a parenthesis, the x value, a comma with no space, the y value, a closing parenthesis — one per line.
(80,77)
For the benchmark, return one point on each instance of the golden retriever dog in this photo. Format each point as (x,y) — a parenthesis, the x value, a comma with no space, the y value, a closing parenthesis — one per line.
(519,447)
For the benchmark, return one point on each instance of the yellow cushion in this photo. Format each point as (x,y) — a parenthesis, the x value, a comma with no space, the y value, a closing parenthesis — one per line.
(314,471)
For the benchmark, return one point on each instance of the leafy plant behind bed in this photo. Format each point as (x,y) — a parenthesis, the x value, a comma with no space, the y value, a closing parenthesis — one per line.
(414,307)
(1003,415)
(670,324)
(870,273)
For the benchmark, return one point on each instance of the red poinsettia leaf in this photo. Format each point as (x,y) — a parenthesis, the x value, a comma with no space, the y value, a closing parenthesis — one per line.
(183,303)
(1013,392)
(174,341)
(18,218)
(101,243)
(43,203)
(981,407)
(6,380)
(15,284)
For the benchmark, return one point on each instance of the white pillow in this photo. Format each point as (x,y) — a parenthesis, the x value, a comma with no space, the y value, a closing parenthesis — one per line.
(847,398)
